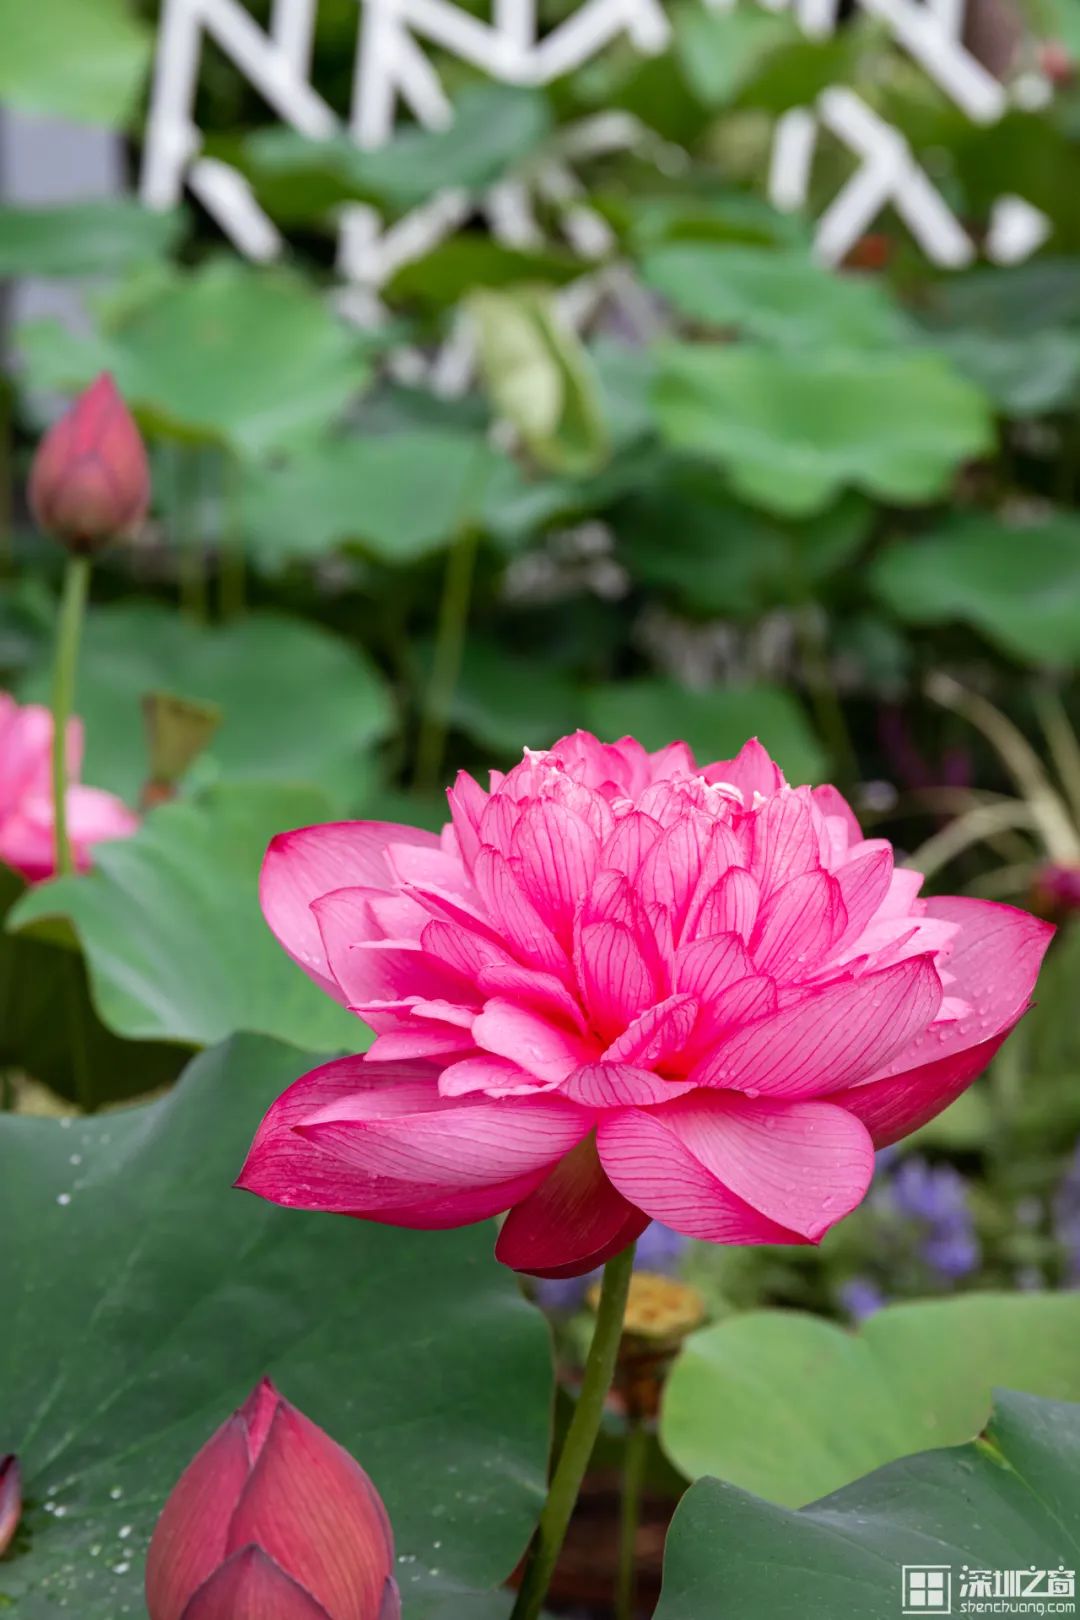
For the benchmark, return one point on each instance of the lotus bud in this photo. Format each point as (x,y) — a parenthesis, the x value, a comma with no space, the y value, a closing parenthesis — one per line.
(1057,888)
(10,1501)
(272,1521)
(90,480)
(1056,62)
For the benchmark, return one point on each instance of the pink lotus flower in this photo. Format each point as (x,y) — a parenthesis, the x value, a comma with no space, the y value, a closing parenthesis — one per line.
(272,1521)
(27,828)
(622,986)
(90,479)
(10,1500)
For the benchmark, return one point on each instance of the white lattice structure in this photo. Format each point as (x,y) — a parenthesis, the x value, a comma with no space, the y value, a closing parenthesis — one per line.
(395,71)
(931,31)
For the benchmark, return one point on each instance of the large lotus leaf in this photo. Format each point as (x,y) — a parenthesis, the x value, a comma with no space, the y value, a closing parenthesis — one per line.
(169,922)
(794,427)
(495,127)
(682,531)
(144,1296)
(49,1031)
(399,495)
(790,1406)
(1024,376)
(508,702)
(794,73)
(74,60)
(472,259)
(719,214)
(298,704)
(248,357)
(1015,302)
(780,297)
(720,51)
(27,621)
(1009,1502)
(715,723)
(521,503)
(83,239)
(1020,586)
(625,373)
(1062,21)
(1015,332)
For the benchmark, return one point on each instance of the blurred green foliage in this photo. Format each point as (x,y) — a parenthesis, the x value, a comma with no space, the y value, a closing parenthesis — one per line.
(644,466)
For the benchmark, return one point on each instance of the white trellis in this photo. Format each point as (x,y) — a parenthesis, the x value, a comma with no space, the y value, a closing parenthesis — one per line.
(888,173)
(393,70)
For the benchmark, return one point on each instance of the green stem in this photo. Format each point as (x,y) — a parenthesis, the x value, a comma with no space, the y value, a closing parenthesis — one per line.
(633,1478)
(580,1438)
(446,662)
(68,632)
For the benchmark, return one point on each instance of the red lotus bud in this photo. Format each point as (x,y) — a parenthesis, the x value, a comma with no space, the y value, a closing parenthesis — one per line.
(10,1501)
(1057,888)
(90,481)
(1056,63)
(272,1521)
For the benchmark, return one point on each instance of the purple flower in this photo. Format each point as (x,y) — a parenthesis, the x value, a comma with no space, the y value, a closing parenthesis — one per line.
(930,1193)
(660,1249)
(861,1297)
(952,1253)
(561,1295)
(935,1198)
(1066,1218)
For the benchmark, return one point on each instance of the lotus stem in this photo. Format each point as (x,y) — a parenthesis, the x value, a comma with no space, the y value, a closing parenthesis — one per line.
(633,1479)
(580,1438)
(68,634)
(446,662)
